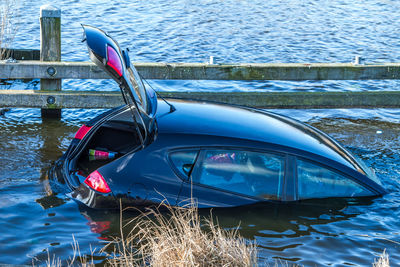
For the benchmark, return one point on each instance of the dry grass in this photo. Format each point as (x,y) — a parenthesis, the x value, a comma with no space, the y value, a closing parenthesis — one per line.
(178,237)
(382,261)
(8,28)
(75,260)
(181,238)
(281,263)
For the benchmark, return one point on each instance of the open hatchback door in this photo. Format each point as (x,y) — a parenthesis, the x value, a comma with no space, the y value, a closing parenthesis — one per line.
(106,53)
(114,133)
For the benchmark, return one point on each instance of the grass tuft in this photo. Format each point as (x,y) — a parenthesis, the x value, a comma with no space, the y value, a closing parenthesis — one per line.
(180,238)
(76,260)
(382,261)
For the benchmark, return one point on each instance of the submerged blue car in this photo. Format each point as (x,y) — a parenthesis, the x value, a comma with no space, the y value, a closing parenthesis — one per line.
(151,150)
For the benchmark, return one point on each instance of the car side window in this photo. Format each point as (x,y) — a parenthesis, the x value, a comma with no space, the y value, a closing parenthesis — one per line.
(249,173)
(318,182)
(184,161)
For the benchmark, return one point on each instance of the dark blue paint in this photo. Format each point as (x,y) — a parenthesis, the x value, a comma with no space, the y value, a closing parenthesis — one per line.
(195,125)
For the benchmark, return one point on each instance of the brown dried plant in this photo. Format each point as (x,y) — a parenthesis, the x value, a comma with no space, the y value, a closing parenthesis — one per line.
(179,237)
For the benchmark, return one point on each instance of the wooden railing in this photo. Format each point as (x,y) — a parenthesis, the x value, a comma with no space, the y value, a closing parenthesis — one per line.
(45,64)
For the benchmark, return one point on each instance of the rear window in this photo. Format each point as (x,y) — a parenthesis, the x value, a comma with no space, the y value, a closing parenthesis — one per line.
(248,173)
(315,181)
(139,87)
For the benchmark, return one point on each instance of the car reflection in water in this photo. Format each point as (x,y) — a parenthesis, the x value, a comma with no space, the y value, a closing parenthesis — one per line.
(270,220)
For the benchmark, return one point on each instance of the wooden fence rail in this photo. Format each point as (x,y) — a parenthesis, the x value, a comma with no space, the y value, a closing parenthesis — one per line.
(45,64)
(99,99)
(203,71)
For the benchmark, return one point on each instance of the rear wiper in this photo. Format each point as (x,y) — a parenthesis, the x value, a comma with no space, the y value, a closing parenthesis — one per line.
(171,107)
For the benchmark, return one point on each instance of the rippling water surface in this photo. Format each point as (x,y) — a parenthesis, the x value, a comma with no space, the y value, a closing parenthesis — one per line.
(36,217)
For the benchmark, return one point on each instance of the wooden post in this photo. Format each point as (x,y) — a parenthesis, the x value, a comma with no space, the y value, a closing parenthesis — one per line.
(50,50)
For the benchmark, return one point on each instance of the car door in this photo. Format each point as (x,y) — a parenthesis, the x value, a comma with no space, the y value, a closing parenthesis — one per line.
(231,177)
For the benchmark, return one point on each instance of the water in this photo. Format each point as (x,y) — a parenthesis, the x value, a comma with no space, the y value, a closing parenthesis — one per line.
(36,217)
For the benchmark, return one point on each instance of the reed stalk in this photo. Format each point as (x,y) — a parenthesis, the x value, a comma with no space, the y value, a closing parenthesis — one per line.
(382,261)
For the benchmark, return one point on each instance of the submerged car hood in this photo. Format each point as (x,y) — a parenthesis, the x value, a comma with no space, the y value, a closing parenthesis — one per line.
(193,117)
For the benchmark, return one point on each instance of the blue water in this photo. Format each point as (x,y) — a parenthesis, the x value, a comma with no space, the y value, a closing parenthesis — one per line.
(35,219)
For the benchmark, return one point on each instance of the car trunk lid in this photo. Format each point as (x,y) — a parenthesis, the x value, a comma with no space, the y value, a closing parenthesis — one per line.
(106,53)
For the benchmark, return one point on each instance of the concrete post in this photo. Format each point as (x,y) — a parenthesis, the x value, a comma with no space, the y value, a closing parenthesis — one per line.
(50,50)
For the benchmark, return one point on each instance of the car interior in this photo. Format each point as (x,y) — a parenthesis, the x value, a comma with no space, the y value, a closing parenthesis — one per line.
(111,141)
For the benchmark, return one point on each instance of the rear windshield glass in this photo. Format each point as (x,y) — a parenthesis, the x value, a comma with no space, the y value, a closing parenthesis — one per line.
(138,85)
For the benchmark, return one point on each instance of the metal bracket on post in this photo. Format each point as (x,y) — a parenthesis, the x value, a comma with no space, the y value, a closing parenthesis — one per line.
(50,50)
(358,60)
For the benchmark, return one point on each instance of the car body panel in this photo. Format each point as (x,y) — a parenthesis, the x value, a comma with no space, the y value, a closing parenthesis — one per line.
(149,181)
(147,177)
(142,173)
(222,120)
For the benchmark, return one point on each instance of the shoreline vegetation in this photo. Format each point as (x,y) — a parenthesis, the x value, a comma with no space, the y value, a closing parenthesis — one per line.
(176,236)
(169,236)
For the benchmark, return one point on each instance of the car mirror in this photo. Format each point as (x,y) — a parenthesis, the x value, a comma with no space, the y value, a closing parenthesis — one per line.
(186,168)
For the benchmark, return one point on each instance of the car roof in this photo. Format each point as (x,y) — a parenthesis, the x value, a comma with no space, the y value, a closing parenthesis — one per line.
(213,119)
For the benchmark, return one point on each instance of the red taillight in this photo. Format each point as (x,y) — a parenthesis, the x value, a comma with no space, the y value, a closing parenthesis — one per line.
(82,132)
(96,181)
(114,61)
